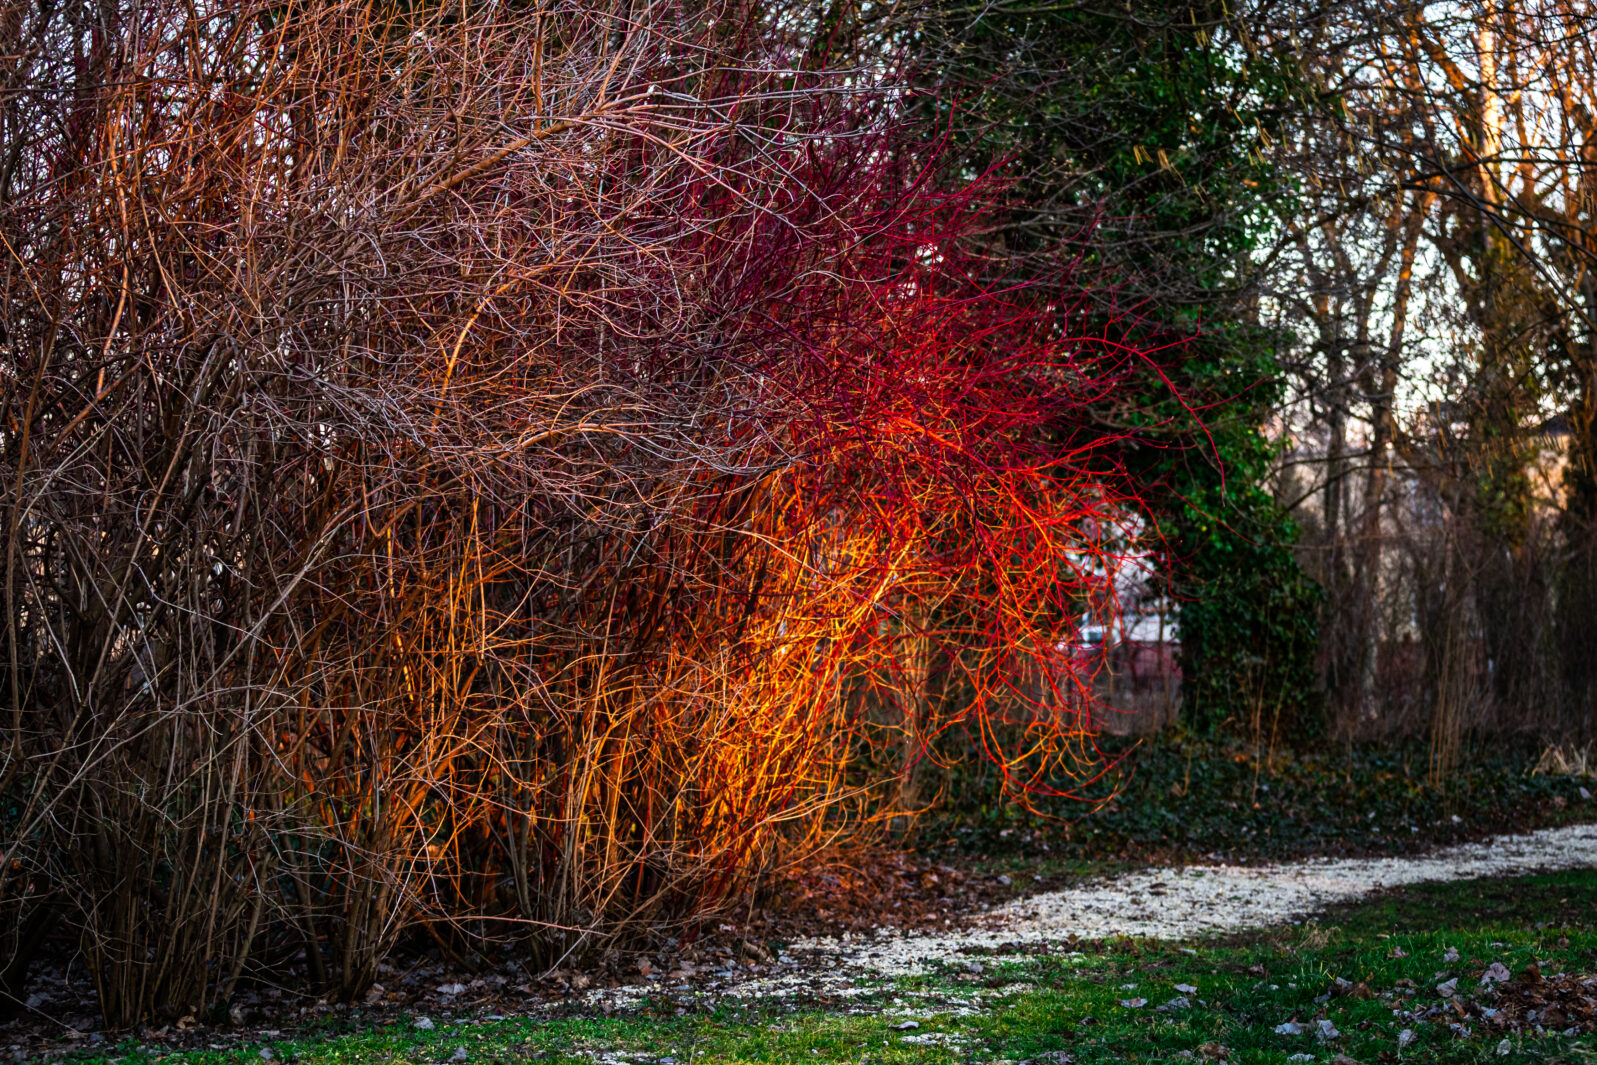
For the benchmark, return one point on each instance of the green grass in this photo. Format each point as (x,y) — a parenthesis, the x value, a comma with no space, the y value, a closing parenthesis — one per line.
(1034,1007)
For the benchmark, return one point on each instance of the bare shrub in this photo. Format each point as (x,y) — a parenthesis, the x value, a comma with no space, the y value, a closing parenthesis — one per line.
(492,468)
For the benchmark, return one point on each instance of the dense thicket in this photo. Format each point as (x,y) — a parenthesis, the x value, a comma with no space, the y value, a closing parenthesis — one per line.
(500,469)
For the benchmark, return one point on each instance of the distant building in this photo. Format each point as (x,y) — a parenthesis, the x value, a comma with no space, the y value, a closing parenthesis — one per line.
(1132,653)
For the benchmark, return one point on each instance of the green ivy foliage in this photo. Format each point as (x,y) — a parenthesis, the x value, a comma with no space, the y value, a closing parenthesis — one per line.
(1247,611)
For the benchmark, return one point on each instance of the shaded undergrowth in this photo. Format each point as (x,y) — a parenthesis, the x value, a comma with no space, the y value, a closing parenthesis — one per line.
(1178,798)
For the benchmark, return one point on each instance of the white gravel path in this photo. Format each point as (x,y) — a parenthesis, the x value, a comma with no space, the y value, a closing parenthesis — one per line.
(1170,903)
(1202,900)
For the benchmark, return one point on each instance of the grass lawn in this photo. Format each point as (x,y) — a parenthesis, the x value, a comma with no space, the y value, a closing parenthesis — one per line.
(1263,997)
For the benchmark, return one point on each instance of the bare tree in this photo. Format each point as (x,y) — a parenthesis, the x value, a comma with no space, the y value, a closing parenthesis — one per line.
(1445,261)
